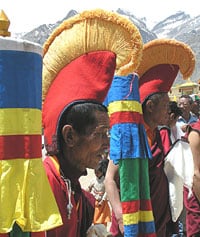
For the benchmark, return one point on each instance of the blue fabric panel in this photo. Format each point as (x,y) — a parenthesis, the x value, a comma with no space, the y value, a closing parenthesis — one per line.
(142,227)
(123,88)
(128,140)
(20,79)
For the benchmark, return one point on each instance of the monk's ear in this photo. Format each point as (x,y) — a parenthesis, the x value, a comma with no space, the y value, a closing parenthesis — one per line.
(150,106)
(68,134)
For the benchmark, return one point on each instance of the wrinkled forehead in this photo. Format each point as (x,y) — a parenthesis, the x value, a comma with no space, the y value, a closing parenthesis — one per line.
(102,119)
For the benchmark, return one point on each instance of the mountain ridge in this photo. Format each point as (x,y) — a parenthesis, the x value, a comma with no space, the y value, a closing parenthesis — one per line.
(179,26)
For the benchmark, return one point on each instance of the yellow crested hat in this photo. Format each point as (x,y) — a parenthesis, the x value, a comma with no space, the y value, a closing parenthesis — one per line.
(161,61)
(80,59)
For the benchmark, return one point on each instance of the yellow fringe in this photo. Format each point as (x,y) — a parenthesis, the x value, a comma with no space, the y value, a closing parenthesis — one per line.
(167,51)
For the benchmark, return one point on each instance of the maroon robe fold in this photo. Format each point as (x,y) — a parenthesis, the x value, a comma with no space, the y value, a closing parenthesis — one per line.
(159,190)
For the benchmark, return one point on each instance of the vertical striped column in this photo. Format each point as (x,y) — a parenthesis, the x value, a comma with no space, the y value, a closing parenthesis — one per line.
(20,100)
(129,148)
(25,195)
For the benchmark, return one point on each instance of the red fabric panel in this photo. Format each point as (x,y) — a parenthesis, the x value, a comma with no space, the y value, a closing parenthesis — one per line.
(126,117)
(166,140)
(4,235)
(133,206)
(157,79)
(20,146)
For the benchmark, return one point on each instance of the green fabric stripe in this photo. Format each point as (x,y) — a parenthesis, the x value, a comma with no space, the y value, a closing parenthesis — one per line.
(144,176)
(129,178)
(17,232)
(134,179)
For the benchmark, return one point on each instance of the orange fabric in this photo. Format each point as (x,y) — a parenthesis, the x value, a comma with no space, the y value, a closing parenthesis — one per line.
(102,213)
(150,134)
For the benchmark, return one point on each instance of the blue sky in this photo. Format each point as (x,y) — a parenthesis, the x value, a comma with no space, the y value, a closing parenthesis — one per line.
(25,15)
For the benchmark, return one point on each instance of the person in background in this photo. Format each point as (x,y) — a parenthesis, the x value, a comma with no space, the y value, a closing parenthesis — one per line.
(78,69)
(166,131)
(195,108)
(185,103)
(102,213)
(192,203)
(157,72)
(167,73)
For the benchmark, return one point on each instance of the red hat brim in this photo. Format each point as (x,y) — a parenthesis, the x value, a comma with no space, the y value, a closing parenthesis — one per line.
(157,79)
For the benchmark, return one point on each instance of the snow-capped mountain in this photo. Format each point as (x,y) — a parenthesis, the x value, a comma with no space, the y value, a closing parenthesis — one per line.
(164,29)
(180,26)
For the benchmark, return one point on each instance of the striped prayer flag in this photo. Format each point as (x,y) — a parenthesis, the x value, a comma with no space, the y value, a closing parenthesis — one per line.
(25,194)
(130,149)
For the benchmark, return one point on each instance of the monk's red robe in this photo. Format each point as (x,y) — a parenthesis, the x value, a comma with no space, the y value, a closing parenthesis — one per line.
(83,202)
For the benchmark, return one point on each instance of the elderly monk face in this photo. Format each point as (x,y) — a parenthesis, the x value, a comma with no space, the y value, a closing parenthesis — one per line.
(160,110)
(88,149)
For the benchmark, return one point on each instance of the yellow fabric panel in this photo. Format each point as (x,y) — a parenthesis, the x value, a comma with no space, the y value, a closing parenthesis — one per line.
(20,121)
(134,218)
(124,106)
(26,197)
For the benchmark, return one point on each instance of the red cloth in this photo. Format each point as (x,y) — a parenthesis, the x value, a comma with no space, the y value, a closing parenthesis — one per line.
(157,79)
(165,137)
(196,126)
(83,205)
(192,214)
(192,204)
(114,228)
(88,77)
(159,188)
